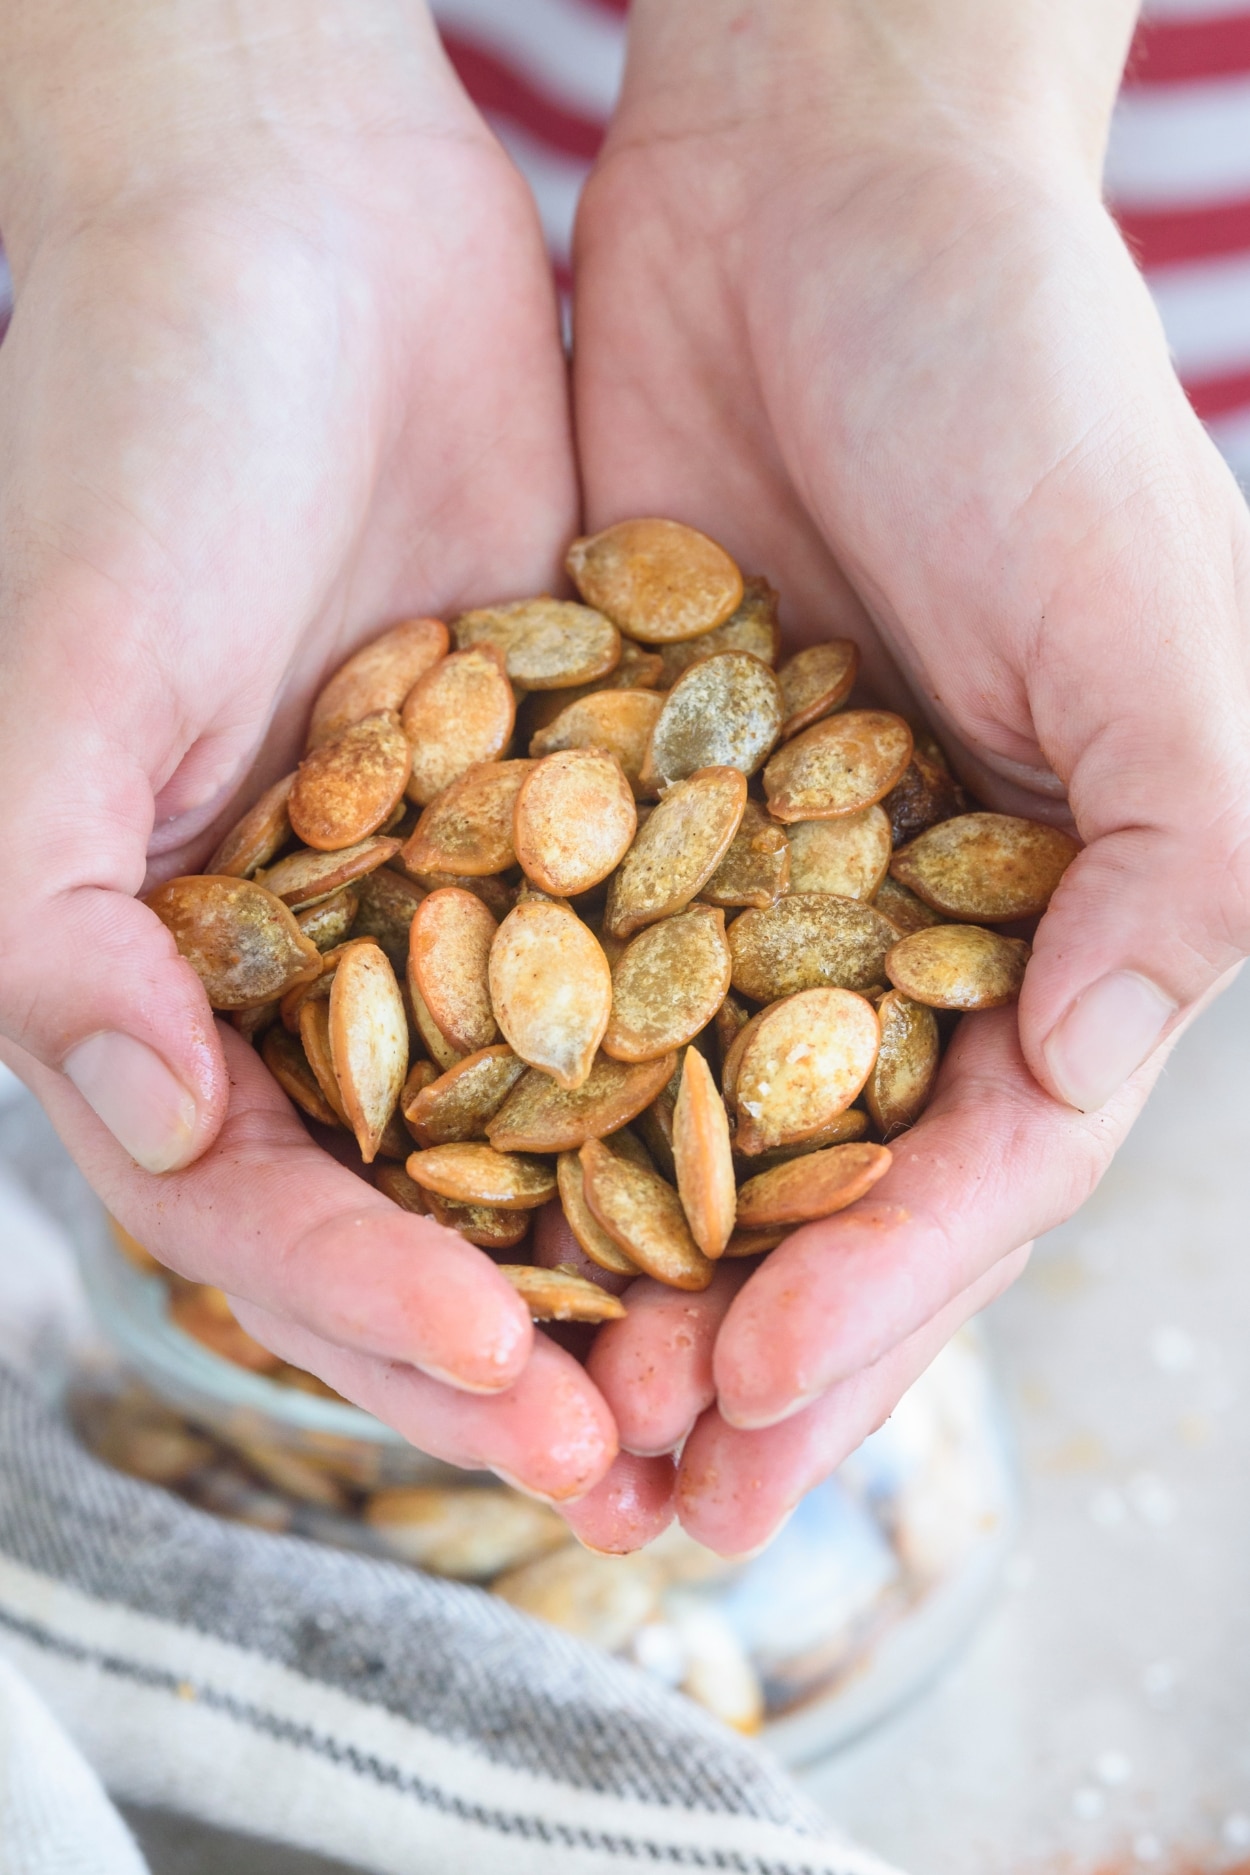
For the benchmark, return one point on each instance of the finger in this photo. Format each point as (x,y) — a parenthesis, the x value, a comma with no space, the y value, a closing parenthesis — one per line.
(735,1488)
(549,1434)
(654,1368)
(629,1506)
(269,1217)
(993,1162)
(555,1245)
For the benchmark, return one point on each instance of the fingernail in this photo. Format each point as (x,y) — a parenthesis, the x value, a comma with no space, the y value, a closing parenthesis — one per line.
(141,1101)
(1106,1035)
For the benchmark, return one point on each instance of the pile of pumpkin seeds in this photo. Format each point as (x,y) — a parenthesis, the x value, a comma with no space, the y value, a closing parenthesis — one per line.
(598,903)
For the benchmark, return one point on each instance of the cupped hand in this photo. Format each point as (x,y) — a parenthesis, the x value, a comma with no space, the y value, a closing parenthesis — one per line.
(284,368)
(915,379)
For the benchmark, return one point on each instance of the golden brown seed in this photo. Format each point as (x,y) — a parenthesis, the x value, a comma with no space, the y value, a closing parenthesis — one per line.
(677,851)
(815,1186)
(551,989)
(843,1131)
(482,1224)
(458,1104)
(731,1018)
(643,1215)
(377,677)
(388,904)
(368,1042)
(469,1533)
(497,897)
(808,941)
(617,721)
(473,1173)
(467,829)
(849,856)
(583,1223)
(838,766)
(538,1116)
(253,841)
(702,1157)
(575,818)
(547,644)
(285,1059)
(314,1035)
(804,1062)
(315,990)
(461,712)
(927,793)
(986,868)
(752,626)
(754,1243)
(204,1313)
(242,943)
(904,910)
(658,580)
(898,1089)
(756,869)
(304,878)
(560,1295)
(725,712)
(638,669)
(667,984)
(396,1140)
(815,682)
(448,951)
(328,923)
(731,1058)
(601,1599)
(441,1050)
(346,789)
(958,966)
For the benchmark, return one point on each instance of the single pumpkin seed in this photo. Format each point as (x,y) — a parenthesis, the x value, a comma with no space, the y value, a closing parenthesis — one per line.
(668,984)
(958,966)
(643,1215)
(815,682)
(849,856)
(986,868)
(658,580)
(585,1226)
(467,829)
(547,644)
(617,721)
(838,766)
(485,1225)
(814,1186)
(904,910)
(458,1104)
(285,1059)
(316,989)
(459,713)
(314,1035)
(304,878)
(724,712)
(394,1183)
(551,989)
(677,851)
(600,1599)
(368,1042)
(448,951)
(377,677)
(752,626)
(347,789)
(802,1065)
(810,940)
(559,1296)
(468,1533)
(575,818)
(702,1157)
(497,897)
(898,1089)
(263,831)
(754,1243)
(474,1173)
(756,869)
(241,941)
(927,793)
(328,923)
(538,1116)
(731,1018)
(387,905)
(842,1131)
(431,1036)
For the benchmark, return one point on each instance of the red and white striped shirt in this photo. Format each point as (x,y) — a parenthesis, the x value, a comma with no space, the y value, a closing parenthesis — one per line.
(547,72)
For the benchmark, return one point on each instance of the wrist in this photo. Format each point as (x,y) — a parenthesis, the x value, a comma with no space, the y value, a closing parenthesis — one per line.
(1031,84)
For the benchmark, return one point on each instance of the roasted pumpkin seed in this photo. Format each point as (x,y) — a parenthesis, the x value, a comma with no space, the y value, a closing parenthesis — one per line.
(754,1243)
(285,1059)
(677,851)
(585,1226)
(538,1116)
(927,793)
(263,831)
(441,1051)
(560,1296)
(815,682)
(448,952)
(897,1091)
(842,1131)
(551,989)
(304,878)
(467,829)
(547,644)
(460,712)
(368,1042)
(725,712)
(756,869)
(346,789)
(658,580)
(377,677)
(469,1533)
(986,868)
(485,1225)
(497,897)
(241,941)
(752,626)
(667,984)
(808,941)
(314,1036)
(458,1104)
(849,856)
(617,721)
(805,1060)
(575,818)
(329,922)
(838,766)
(958,966)
(387,906)
(643,1215)
(814,1186)
(474,1173)
(702,1157)
(904,910)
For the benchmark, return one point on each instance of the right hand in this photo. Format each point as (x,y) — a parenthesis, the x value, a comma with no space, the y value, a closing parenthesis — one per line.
(284,368)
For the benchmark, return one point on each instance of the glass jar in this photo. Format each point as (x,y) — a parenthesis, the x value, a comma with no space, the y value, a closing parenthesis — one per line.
(875,1579)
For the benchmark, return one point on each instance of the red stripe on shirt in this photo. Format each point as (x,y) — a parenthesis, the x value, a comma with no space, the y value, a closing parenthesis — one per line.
(1162,237)
(1172,52)
(1219,397)
(496,86)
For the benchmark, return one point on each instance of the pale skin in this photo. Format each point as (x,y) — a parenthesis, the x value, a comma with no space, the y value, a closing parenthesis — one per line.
(846,297)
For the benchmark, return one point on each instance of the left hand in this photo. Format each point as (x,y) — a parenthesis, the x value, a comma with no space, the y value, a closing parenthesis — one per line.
(904,366)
